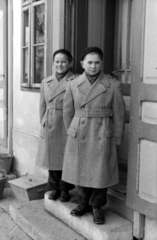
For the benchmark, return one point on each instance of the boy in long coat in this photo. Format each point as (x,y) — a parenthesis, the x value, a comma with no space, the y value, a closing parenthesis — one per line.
(94,113)
(52,133)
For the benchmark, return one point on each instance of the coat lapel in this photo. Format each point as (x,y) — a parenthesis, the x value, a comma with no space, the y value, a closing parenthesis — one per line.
(96,89)
(83,84)
(57,87)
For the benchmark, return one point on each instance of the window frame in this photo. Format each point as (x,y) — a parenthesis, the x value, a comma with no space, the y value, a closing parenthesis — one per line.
(24,47)
(30,6)
(33,45)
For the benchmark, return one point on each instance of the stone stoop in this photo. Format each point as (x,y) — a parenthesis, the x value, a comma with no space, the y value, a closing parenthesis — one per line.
(115,227)
(38,224)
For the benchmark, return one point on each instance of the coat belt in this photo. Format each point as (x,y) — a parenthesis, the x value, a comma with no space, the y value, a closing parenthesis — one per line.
(54,108)
(93,113)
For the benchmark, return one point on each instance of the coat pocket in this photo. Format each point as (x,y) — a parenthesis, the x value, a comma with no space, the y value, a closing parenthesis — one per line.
(110,146)
(72,141)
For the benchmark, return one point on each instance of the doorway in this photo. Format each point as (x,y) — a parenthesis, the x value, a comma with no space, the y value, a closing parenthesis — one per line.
(105,24)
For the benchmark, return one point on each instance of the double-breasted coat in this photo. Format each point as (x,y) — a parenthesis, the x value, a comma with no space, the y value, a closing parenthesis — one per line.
(94,117)
(53,135)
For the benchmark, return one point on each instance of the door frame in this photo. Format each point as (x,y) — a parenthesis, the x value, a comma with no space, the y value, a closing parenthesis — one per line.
(10,76)
(9,46)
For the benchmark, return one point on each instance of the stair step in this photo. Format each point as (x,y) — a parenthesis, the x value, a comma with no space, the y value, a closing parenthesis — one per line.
(38,224)
(115,227)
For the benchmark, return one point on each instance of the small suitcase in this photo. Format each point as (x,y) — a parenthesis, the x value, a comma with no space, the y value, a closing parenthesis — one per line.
(28,187)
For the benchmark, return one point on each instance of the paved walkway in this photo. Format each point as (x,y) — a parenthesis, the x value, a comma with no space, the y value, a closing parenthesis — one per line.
(9,230)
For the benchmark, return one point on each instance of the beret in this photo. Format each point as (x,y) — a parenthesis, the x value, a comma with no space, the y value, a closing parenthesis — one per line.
(91,50)
(65,52)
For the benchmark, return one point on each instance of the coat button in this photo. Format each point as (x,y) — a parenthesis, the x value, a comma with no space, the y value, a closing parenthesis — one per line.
(100,106)
(83,107)
(83,138)
(99,138)
(51,114)
(83,122)
(100,123)
(50,127)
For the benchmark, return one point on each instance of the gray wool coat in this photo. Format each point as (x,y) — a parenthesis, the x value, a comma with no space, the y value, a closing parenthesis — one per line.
(53,135)
(94,118)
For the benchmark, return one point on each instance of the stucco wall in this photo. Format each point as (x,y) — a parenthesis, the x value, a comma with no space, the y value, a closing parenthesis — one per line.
(26,104)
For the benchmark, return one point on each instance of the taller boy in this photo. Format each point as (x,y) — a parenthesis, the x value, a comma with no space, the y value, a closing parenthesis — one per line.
(94,114)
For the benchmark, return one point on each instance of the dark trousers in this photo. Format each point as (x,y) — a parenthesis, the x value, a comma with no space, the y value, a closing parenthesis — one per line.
(92,196)
(55,182)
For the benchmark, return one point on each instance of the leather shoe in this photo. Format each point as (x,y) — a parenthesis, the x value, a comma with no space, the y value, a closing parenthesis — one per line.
(79,210)
(54,194)
(98,215)
(64,196)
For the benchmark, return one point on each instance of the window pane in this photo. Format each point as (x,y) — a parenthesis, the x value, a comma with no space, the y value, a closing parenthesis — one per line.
(38,64)
(26,28)
(25,65)
(39,23)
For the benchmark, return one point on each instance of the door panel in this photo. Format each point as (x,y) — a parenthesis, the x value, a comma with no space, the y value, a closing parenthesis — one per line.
(3,73)
(142,175)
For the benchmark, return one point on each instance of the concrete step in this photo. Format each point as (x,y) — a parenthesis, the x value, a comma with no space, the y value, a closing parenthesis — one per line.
(38,224)
(115,227)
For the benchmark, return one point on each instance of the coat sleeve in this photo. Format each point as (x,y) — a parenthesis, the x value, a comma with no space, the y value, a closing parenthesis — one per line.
(42,104)
(68,107)
(118,114)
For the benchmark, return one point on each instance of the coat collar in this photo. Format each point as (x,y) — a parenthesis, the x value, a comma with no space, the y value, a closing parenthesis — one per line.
(89,91)
(55,87)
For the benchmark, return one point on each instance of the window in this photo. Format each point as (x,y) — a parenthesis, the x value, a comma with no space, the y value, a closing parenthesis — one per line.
(35,38)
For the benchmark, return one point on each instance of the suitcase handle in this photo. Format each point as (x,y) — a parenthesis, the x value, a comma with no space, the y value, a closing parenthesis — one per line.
(40,190)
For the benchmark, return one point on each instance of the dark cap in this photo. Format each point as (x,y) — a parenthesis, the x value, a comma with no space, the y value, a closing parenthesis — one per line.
(65,52)
(91,50)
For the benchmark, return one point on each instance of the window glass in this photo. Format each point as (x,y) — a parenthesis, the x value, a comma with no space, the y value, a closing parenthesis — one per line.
(25,66)
(26,27)
(39,24)
(38,64)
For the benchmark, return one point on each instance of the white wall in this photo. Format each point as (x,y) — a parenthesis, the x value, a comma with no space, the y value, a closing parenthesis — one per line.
(26,104)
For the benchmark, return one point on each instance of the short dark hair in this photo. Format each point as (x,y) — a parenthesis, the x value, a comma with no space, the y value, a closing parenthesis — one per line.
(65,52)
(91,50)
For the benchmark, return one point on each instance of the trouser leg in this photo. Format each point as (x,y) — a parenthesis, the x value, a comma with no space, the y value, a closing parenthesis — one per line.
(55,182)
(64,186)
(54,179)
(92,196)
(98,197)
(83,195)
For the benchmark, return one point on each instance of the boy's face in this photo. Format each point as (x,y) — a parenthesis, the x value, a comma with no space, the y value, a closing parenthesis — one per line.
(92,63)
(61,63)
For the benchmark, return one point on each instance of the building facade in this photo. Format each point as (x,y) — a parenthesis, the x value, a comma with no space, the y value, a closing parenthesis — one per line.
(30,31)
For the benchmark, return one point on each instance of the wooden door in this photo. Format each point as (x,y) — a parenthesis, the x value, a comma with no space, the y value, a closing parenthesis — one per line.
(142,165)
(3,74)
